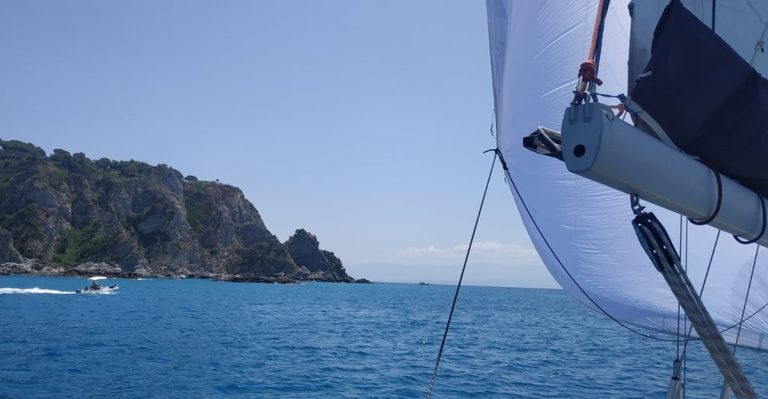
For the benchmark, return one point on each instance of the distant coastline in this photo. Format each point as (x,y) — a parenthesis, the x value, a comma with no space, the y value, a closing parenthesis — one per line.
(32,267)
(68,215)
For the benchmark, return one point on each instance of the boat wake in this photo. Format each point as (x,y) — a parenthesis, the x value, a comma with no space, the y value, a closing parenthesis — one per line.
(103,291)
(35,290)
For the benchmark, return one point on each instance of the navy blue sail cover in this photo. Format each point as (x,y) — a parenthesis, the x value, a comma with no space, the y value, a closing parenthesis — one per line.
(707,98)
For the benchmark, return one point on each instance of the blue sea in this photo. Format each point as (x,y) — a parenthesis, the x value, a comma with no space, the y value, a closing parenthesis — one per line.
(206,339)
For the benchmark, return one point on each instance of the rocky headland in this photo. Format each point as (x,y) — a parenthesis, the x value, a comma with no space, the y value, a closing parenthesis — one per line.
(65,214)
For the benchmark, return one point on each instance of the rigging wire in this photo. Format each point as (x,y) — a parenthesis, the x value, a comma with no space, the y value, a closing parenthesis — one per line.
(511,181)
(701,293)
(557,258)
(594,56)
(461,278)
(765,305)
(752,6)
(703,285)
(685,318)
(759,45)
(746,299)
(680,245)
(684,249)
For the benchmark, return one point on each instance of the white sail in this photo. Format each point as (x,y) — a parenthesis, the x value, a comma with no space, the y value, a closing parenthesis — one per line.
(581,229)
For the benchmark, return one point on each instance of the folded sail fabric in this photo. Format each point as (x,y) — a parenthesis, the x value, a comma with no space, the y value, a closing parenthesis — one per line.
(707,98)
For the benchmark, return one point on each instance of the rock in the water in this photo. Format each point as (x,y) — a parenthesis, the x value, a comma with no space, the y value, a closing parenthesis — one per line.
(15,268)
(322,265)
(97,268)
(24,266)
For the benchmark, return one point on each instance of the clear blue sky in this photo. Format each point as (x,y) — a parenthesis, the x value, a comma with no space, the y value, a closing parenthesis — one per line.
(361,121)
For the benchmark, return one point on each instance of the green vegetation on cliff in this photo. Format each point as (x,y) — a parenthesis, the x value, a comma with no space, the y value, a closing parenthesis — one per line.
(68,212)
(66,209)
(80,245)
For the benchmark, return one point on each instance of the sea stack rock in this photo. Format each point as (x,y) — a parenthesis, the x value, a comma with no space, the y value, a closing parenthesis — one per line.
(322,265)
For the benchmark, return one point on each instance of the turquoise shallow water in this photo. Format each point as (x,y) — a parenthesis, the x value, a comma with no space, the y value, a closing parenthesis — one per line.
(205,339)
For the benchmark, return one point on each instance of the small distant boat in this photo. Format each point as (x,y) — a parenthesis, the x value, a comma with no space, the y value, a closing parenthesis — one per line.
(423,283)
(95,287)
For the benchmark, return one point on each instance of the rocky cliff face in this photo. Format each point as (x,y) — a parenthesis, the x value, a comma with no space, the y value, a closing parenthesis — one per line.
(65,211)
(323,265)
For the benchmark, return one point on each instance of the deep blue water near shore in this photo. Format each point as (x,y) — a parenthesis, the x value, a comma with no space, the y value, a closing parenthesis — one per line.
(206,339)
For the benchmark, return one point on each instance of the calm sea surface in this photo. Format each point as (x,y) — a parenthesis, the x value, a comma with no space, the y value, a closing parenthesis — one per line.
(206,339)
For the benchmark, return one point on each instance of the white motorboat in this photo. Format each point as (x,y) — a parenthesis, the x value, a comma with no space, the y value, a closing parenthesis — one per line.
(94,287)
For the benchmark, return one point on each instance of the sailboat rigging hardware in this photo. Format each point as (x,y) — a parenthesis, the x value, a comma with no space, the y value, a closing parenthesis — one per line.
(571,221)
(603,148)
(588,69)
(544,141)
(659,248)
(719,204)
(762,229)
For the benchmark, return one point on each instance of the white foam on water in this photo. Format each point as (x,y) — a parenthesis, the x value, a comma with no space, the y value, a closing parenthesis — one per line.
(100,292)
(35,290)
